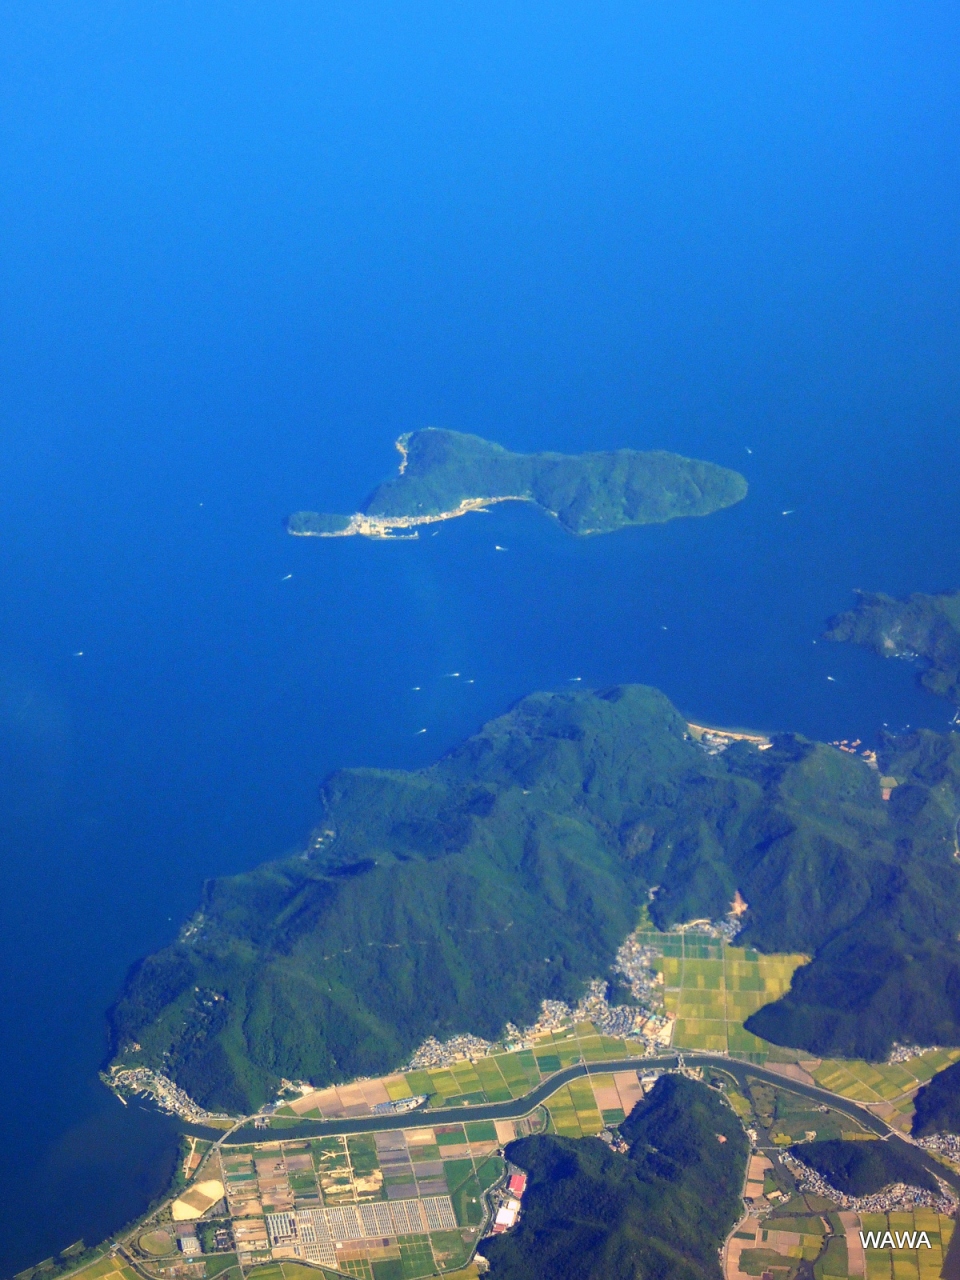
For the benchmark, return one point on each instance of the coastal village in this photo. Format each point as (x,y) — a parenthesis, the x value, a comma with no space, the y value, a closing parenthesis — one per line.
(398,1203)
(644,1021)
(416,1200)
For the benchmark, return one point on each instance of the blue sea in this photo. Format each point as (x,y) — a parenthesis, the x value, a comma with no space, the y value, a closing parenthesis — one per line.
(243,248)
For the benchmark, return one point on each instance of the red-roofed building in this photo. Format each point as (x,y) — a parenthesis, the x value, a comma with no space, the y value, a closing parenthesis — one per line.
(517,1184)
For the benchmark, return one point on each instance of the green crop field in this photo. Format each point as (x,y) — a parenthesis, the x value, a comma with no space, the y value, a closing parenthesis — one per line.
(882,1082)
(451,1135)
(358,1267)
(221,1264)
(109,1268)
(908,1264)
(428,1151)
(511,1075)
(481,1131)
(711,988)
(467,1078)
(491,1078)
(397,1087)
(573,1110)
(457,1172)
(269,1271)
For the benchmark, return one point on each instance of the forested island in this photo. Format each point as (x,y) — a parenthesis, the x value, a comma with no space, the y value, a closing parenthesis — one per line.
(444,474)
(457,897)
(663,1209)
(925,628)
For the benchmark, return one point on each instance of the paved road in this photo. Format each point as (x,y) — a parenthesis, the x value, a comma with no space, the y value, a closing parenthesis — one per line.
(519,1107)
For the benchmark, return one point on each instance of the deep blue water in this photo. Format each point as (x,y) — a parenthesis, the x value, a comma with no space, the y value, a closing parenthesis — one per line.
(243,247)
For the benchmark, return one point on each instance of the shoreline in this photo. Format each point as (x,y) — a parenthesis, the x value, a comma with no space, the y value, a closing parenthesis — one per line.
(382,527)
(708,734)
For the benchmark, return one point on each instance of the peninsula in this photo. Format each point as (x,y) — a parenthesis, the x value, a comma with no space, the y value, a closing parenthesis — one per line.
(922,628)
(445,474)
(456,898)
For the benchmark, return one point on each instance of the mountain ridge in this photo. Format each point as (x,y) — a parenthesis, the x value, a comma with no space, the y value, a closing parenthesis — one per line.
(457,897)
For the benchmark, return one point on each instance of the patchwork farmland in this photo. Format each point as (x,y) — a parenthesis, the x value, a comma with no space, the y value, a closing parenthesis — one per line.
(711,988)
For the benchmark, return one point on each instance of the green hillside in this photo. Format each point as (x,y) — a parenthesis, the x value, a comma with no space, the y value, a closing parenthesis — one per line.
(863,1168)
(923,627)
(893,971)
(938,1104)
(457,897)
(661,1211)
(588,493)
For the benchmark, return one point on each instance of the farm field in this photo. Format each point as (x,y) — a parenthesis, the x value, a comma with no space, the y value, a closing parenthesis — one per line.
(511,1075)
(109,1269)
(711,988)
(584,1107)
(907,1264)
(777,1245)
(889,1088)
(497,1078)
(322,1201)
(290,1271)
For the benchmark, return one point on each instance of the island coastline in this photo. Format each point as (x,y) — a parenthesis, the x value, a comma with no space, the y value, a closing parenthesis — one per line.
(446,474)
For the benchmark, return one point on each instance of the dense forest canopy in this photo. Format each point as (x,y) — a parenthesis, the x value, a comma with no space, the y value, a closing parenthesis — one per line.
(660,1212)
(587,492)
(457,897)
(863,1168)
(938,1104)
